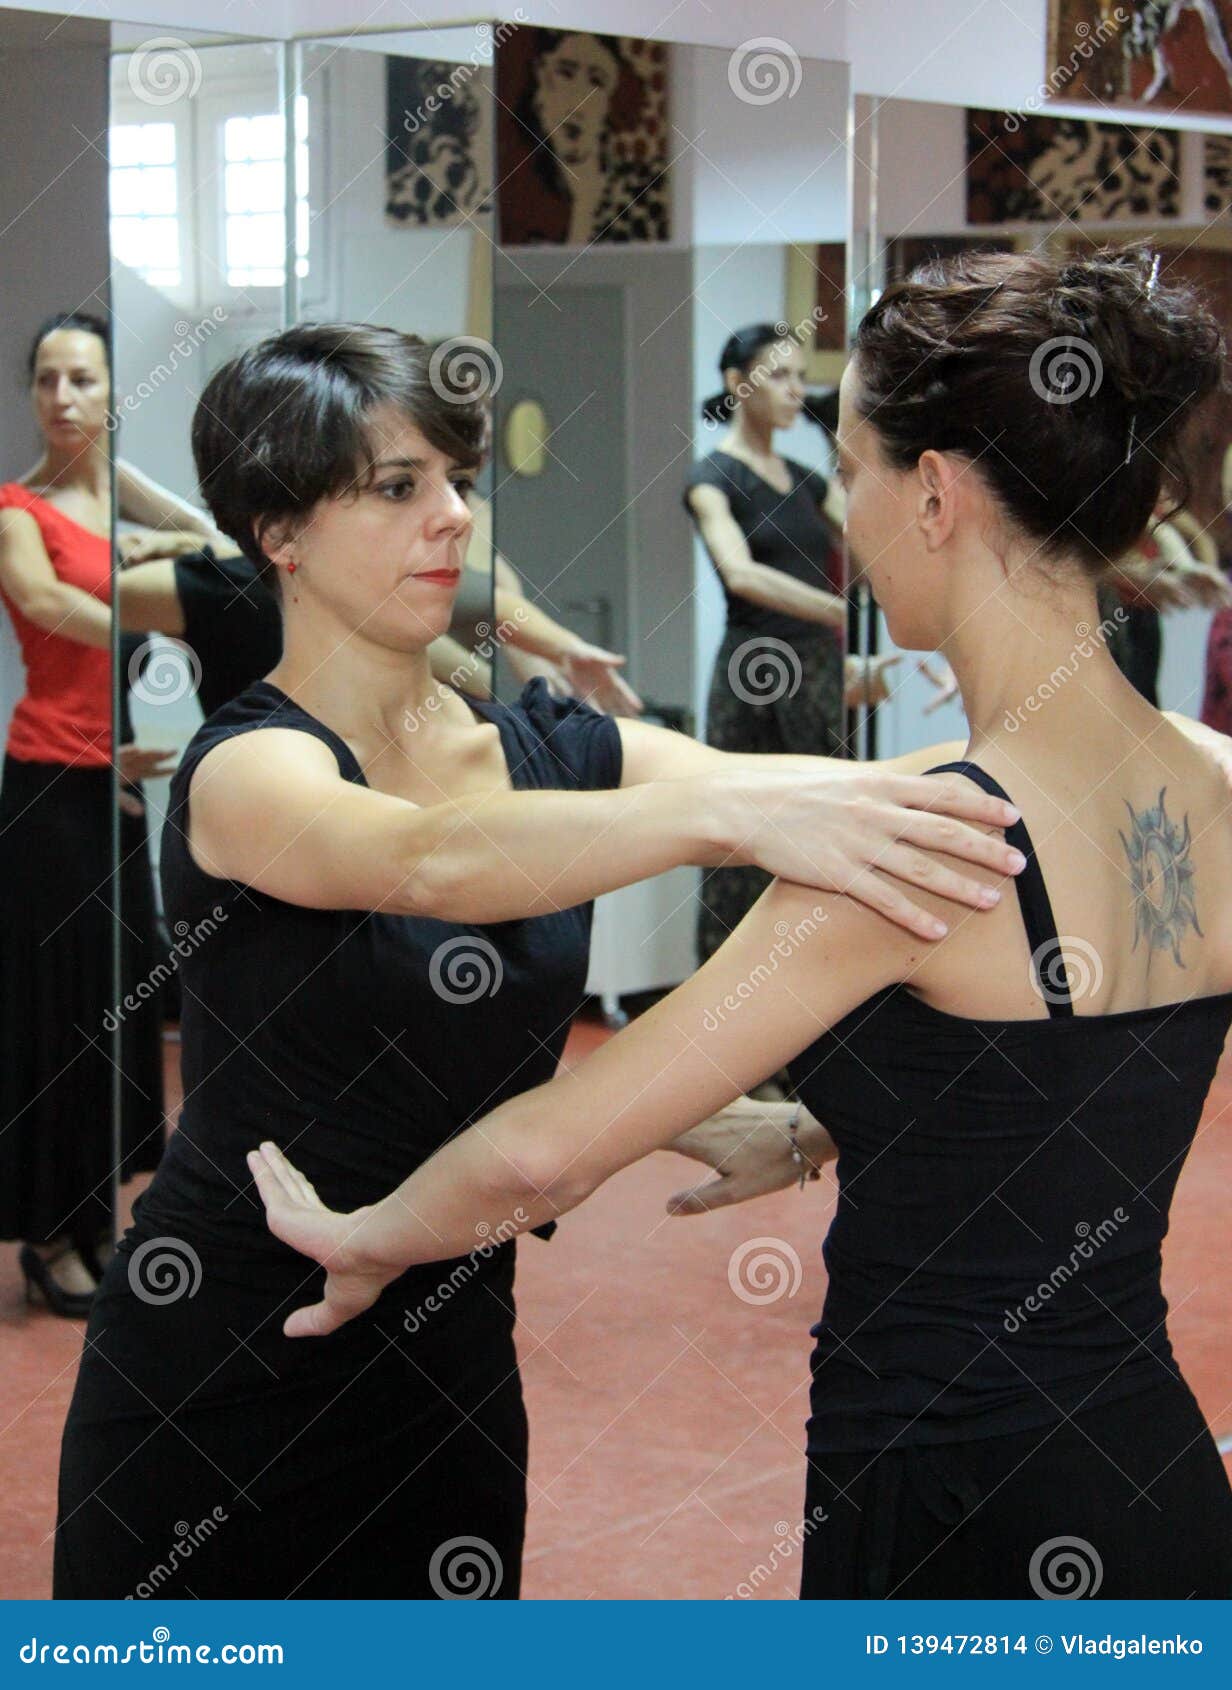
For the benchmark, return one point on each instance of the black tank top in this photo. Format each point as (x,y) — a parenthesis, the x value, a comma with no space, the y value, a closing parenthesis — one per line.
(359,1041)
(994,1259)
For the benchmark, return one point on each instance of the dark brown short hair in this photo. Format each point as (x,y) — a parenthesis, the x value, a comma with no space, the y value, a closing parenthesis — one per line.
(1048,372)
(288,422)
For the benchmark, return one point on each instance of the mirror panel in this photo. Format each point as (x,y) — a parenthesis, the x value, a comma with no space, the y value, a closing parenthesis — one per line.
(198,181)
(396,181)
(949,178)
(692,192)
(65,1064)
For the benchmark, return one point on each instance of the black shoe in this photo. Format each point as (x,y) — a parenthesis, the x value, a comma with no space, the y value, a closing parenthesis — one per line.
(73,1305)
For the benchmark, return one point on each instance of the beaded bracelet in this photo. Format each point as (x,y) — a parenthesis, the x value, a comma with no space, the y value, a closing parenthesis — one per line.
(807,1171)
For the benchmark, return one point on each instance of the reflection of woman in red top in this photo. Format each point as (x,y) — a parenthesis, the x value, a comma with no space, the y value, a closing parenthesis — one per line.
(59,1155)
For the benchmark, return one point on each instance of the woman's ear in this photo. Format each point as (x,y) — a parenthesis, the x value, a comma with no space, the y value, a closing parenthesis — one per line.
(936,508)
(274,536)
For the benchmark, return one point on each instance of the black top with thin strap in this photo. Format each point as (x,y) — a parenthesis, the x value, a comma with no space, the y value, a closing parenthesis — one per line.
(1004,1186)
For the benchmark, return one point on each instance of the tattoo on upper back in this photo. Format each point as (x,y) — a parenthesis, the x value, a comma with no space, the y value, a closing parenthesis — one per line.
(1162,878)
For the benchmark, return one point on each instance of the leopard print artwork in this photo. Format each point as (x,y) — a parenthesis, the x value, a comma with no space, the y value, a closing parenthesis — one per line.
(1039,169)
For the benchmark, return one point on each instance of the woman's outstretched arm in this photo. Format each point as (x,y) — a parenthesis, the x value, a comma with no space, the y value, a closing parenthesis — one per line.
(796,964)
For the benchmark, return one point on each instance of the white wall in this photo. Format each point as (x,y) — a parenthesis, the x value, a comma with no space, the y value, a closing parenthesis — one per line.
(405,277)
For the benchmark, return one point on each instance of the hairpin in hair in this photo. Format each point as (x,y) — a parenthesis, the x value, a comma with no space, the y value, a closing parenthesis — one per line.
(1129,449)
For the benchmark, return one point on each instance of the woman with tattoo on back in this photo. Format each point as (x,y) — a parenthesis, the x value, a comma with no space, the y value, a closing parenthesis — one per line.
(996,1408)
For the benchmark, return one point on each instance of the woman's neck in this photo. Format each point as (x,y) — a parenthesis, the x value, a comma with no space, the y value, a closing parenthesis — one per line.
(1015,655)
(86,468)
(755,440)
(364,691)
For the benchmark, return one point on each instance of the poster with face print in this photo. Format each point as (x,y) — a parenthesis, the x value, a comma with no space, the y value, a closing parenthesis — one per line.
(582,132)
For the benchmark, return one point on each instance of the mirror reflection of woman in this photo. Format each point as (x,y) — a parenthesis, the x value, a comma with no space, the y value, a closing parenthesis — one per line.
(392,886)
(996,1407)
(778,678)
(57,1156)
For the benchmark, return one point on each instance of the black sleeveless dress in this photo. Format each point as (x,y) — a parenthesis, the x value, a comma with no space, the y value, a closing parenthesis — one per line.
(205,1455)
(996,1408)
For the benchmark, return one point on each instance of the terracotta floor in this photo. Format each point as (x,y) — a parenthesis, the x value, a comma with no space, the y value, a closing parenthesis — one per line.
(666,1413)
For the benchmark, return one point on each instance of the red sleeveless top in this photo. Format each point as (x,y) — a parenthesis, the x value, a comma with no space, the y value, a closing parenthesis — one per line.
(65,713)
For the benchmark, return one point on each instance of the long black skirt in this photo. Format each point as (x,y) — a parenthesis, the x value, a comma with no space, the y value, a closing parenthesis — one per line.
(60,1153)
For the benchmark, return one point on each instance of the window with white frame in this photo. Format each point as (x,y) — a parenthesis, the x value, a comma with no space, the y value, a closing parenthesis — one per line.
(254,197)
(145,221)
